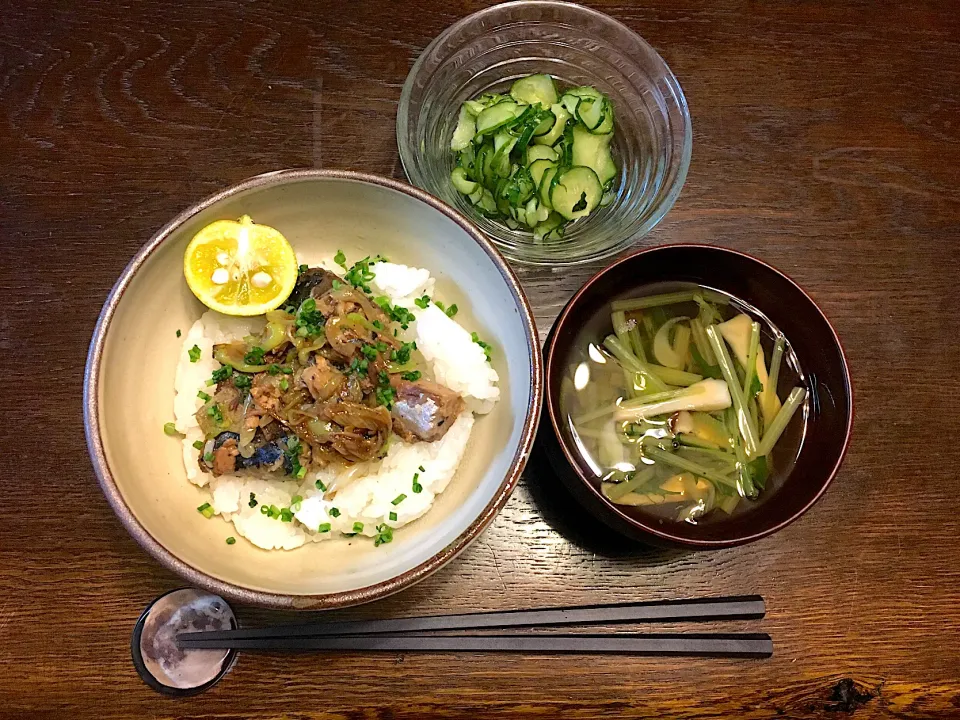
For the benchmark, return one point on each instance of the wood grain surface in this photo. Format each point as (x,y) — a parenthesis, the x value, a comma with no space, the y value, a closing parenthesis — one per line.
(826,141)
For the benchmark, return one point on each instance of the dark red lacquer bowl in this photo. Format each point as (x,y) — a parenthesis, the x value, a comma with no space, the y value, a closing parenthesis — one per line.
(790,309)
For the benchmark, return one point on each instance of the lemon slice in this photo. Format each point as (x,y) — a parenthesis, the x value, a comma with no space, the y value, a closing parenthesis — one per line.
(240,268)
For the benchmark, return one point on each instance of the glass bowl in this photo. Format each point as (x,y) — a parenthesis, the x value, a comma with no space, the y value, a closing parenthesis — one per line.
(488,50)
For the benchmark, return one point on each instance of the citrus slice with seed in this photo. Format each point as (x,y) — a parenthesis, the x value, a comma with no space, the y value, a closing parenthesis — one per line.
(239,267)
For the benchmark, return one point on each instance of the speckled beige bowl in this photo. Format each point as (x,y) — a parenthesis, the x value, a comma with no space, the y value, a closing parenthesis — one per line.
(128,390)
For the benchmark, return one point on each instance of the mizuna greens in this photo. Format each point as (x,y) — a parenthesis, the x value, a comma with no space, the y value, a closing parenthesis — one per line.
(534,159)
(677,410)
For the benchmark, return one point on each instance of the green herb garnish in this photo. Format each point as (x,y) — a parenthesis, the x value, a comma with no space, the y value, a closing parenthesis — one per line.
(208,457)
(198,444)
(383,536)
(241,381)
(411,376)
(170,429)
(486,348)
(324,527)
(392,516)
(178,333)
(231,540)
(203,396)
(334,512)
(422,302)
(358,527)
(340,259)
(398,499)
(417,487)
(253,501)
(194,353)
(320,486)
(215,412)
(222,374)
(206,510)
(254,356)
(309,320)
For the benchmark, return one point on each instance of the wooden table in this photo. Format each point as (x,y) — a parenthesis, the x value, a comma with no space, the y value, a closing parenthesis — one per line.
(826,141)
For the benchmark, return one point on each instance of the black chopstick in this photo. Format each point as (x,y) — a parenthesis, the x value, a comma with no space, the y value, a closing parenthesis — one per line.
(757,645)
(733,608)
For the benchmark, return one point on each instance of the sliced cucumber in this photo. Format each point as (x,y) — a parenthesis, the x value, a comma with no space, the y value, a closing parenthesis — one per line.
(533,159)
(538,167)
(495,117)
(593,151)
(534,89)
(540,152)
(544,186)
(556,132)
(536,212)
(549,229)
(546,125)
(466,129)
(576,193)
(462,183)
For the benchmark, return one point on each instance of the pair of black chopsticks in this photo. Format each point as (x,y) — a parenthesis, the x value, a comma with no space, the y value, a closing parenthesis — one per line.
(417,634)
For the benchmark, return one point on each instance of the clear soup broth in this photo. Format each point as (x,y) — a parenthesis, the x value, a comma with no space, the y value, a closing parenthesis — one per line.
(686,403)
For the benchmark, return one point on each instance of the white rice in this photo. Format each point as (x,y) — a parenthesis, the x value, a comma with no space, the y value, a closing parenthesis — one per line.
(363,494)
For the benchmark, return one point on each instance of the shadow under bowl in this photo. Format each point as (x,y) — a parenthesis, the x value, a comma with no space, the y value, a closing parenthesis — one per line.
(816,345)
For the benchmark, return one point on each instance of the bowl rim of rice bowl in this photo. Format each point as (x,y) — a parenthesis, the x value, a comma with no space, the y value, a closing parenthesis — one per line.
(95,368)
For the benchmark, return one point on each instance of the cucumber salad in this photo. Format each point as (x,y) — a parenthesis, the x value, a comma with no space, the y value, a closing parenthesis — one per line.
(534,159)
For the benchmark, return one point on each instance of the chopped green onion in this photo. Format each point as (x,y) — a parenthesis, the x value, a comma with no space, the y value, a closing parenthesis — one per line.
(411,376)
(340,259)
(178,333)
(204,396)
(751,368)
(633,364)
(358,527)
(417,487)
(324,527)
(206,510)
(286,515)
(392,516)
(320,486)
(264,509)
(779,423)
(253,500)
(194,353)
(398,499)
(668,299)
(301,472)
(334,512)
(296,503)
(639,479)
(208,457)
(682,463)
(747,427)
(170,429)
(422,302)
(775,360)
(284,385)
(231,540)
(301,269)
(422,468)
(198,444)
(242,382)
